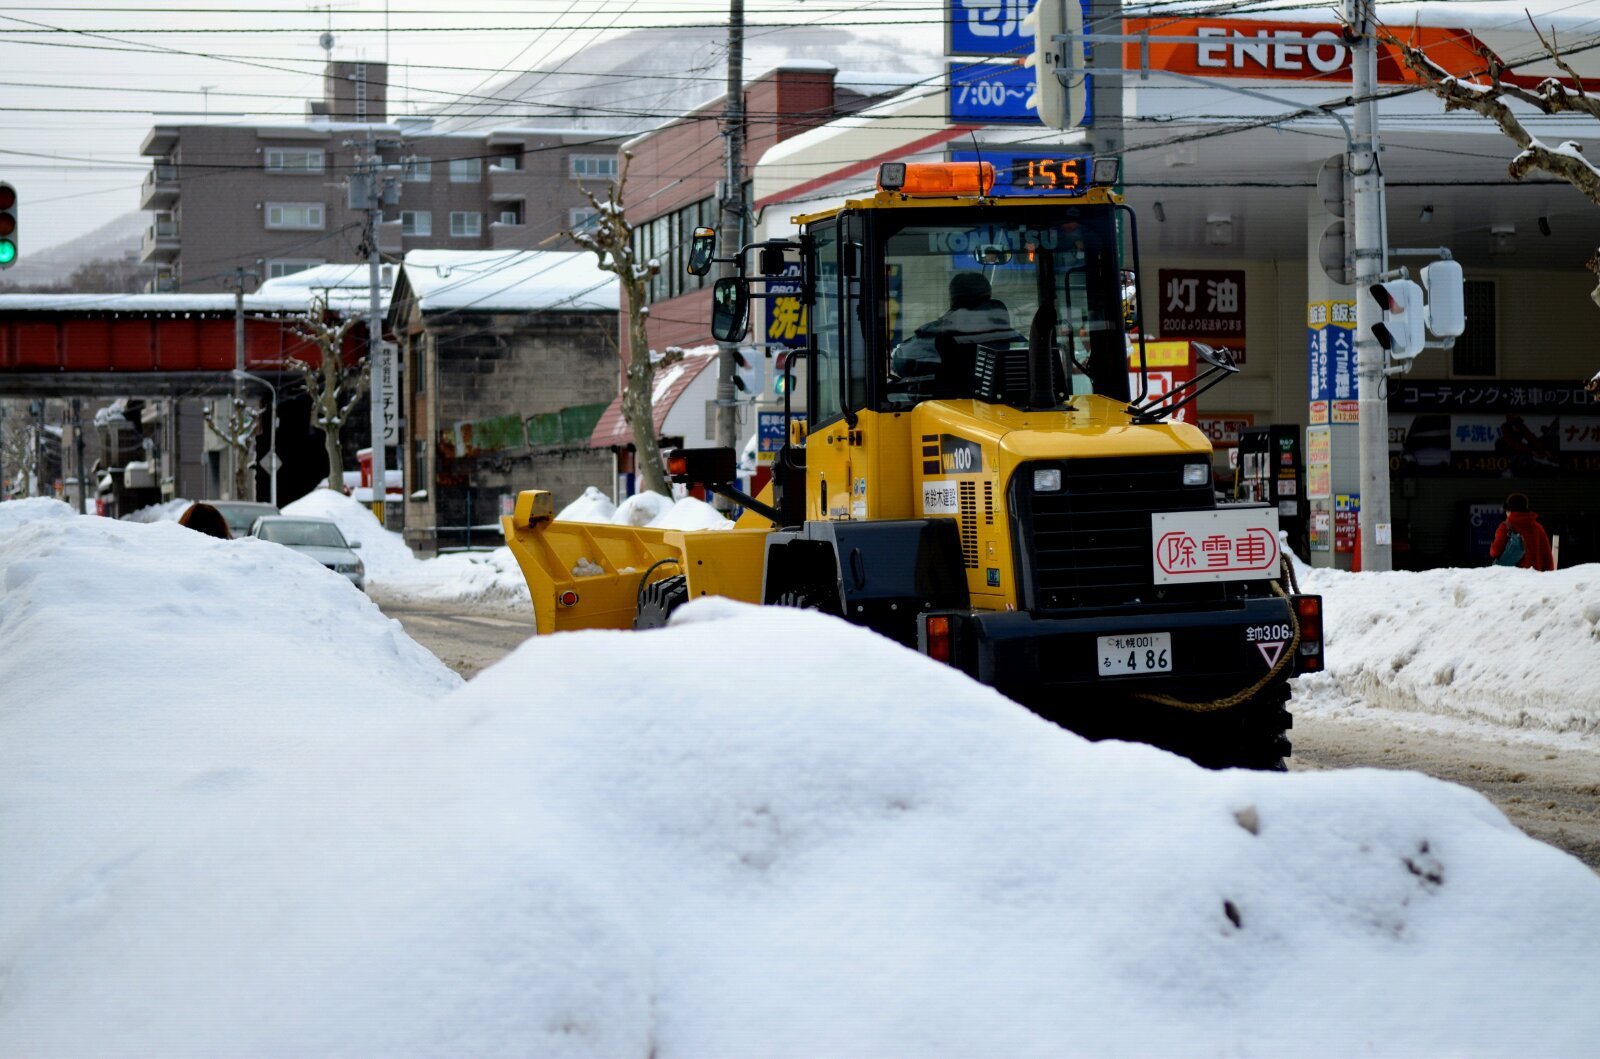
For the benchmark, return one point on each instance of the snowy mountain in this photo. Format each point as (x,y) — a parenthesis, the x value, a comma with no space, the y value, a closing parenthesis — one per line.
(640,79)
(113,240)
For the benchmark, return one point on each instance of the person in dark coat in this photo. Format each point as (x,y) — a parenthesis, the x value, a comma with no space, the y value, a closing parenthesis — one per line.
(1535,541)
(206,519)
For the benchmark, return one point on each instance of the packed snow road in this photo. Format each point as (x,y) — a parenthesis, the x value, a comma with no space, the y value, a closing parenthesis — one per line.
(1550,788)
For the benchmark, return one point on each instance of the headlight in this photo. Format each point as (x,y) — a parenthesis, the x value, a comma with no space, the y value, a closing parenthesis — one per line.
(1196,473)
(1047,481)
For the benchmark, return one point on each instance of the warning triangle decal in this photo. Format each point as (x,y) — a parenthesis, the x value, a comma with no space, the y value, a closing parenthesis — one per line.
(1270,650)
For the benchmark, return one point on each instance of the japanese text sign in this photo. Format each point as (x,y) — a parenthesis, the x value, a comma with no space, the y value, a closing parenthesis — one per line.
(1202,303)
(1223,545)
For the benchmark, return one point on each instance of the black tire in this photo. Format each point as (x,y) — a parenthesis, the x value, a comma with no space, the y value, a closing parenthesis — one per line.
(658,600)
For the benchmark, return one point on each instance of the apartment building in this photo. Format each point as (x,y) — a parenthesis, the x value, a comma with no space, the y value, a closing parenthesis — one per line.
(271,198)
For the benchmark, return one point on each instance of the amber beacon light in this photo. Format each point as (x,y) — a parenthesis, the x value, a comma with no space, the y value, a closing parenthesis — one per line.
(937,179)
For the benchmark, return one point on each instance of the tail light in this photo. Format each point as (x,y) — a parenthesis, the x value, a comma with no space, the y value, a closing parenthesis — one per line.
(1308,612)
(936,637)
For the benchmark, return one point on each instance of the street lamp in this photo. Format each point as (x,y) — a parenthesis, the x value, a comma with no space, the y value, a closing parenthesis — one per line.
(272,433)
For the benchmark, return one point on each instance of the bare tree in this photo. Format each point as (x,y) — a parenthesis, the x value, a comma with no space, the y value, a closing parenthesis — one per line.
(237,429)
(333,388)
(1551,96)
(611,241)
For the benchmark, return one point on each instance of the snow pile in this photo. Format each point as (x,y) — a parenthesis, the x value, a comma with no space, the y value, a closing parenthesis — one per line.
(170,511)
(383,552)
(571,857)
(1496,644)
(642,509)
(16,513)
(645,509)
(592,506)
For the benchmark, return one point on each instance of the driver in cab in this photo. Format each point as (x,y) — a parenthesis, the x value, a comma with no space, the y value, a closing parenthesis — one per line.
(944,351)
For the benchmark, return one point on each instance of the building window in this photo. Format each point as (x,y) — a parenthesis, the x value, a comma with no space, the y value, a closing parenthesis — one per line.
(288,267)
(593,166)
(512,215)
(1474,352)
(466,170)
(297,216)
(465,224)
(418,170)
(666,239)
(506,163)
(294,159)
(581,218)
(416,222)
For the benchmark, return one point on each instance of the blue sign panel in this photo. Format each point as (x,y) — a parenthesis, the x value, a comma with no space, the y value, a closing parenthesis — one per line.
(988,27)
(993,93)
(1033,172)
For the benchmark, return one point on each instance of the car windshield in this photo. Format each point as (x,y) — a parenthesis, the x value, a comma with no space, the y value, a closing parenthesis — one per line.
(240,517)
(303,534)
(952,287)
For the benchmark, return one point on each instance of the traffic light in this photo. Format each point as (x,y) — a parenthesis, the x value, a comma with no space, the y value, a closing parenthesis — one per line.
(1403,331)
(747,372)
(8,226)
(1058,83)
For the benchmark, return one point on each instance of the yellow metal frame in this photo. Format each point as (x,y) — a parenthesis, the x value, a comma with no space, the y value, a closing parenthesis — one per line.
(603,564)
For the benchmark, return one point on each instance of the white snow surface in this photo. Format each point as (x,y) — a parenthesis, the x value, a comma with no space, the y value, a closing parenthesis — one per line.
(509,280)
(262,824)
(1509,647)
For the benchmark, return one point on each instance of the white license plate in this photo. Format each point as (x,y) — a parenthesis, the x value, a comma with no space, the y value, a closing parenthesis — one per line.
(1143,652)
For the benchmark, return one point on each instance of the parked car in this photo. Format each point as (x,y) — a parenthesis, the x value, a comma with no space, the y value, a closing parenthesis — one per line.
(317,537)
(242,514)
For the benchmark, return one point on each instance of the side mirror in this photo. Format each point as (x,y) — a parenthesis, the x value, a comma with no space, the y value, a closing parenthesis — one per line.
(730,307)
(354,545)
(701,247)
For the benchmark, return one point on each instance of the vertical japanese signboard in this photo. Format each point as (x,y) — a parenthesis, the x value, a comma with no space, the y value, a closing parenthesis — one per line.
(1206,304)
(389,390)
(786,313)
(1331,360)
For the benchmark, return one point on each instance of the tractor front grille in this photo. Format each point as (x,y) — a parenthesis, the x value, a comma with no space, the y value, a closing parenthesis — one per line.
(1089,543)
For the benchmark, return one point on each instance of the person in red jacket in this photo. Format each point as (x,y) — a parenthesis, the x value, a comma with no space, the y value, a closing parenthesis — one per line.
(1535,541)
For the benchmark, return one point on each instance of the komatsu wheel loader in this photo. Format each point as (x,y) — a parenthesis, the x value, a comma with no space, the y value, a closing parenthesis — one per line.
(980,473)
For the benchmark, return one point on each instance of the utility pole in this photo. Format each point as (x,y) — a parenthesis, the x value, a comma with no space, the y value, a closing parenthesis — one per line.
(733,213)
(83,467)
(367,192)
(239,276)
(1105,65)
(1371,261)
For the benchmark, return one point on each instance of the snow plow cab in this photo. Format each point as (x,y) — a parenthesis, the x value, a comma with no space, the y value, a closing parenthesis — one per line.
(979,470)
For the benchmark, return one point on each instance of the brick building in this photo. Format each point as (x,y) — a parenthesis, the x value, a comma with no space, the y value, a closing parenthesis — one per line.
(268,197)
(510,360)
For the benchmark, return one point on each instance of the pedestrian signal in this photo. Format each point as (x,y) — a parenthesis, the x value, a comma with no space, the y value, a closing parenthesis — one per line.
(1402,333)
(747,372)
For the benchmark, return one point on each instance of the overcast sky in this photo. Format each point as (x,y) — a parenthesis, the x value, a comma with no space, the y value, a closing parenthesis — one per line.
(85,79)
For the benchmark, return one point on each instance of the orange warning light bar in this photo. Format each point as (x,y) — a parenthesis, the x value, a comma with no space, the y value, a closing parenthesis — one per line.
(942,179)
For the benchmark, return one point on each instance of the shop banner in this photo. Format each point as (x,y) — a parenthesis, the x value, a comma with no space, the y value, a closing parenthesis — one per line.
(1346,521)
(1206,304)
(1319,462)
(1497,443)
(1331,360)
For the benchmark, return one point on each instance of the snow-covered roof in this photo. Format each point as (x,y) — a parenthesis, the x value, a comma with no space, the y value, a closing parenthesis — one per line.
(669,384)
(509,281)
(274,296)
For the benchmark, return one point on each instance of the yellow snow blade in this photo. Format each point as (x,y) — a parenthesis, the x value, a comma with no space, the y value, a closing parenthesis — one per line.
(587,575)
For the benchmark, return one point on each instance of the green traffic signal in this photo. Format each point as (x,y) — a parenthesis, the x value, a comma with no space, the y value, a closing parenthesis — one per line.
(8,251)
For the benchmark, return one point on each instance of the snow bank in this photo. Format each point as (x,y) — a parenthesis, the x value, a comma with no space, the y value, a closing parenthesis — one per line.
(383,551)
(1506,646)
(159,690)
(571,857)
(170,511)
(592,506)
(645,509)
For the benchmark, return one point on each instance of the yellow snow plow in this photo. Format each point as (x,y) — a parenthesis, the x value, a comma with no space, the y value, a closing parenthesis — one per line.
(585,575)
